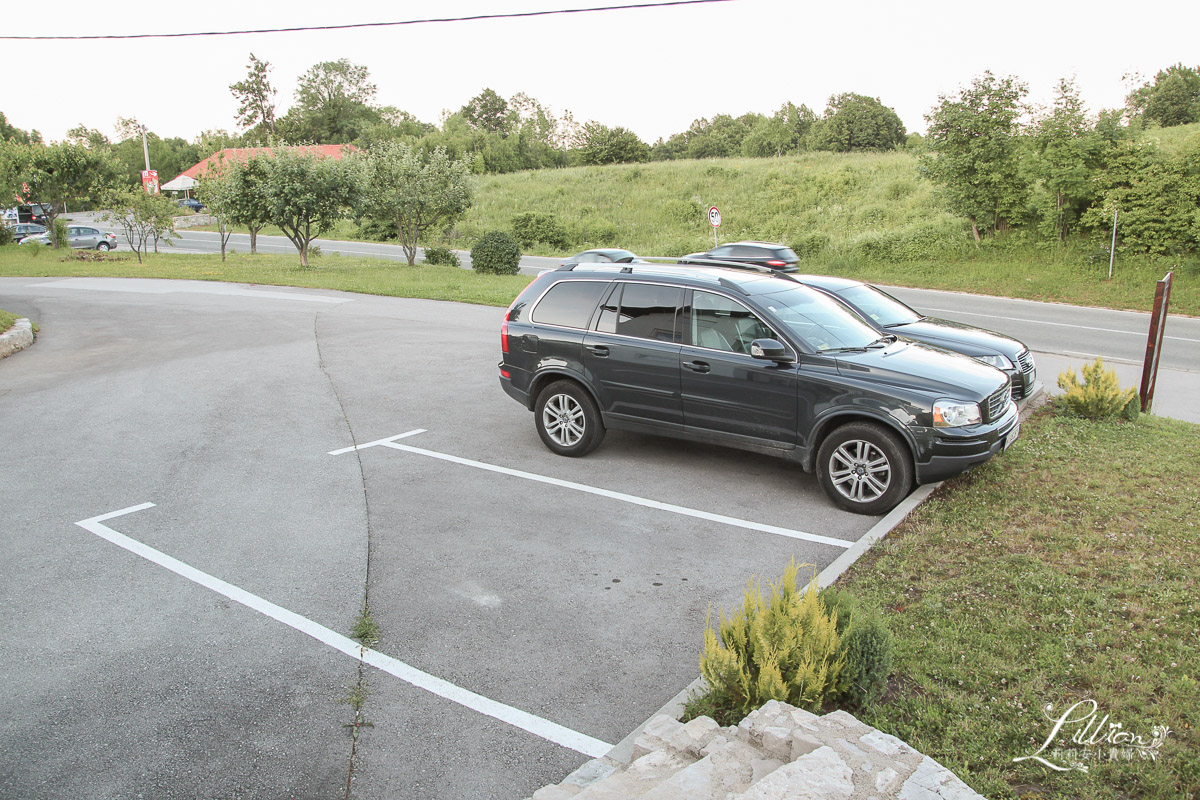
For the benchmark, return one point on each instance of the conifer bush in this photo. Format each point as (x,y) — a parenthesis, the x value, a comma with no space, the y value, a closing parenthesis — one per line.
(867,649)
(1099,395)
(785,648)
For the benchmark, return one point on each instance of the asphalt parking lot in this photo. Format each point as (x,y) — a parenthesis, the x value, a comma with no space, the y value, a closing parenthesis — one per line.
(281,456)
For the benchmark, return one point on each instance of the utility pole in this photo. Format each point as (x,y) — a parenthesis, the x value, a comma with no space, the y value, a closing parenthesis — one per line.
(145,148)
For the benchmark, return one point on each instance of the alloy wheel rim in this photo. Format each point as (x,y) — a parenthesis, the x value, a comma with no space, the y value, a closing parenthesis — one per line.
(563,419)
(860,471)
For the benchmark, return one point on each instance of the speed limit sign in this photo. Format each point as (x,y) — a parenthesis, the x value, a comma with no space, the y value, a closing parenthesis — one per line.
(714,217)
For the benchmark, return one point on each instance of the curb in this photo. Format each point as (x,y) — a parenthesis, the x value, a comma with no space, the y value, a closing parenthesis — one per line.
(622,752)
(18,337)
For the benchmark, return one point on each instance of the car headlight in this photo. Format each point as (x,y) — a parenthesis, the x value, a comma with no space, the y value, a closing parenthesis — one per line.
(954,414)
(999,362)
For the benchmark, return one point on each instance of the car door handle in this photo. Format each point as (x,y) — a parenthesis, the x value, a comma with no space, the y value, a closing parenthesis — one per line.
(598,350)
(697,366)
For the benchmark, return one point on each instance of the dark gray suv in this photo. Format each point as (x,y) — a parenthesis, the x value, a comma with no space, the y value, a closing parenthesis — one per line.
(748,360)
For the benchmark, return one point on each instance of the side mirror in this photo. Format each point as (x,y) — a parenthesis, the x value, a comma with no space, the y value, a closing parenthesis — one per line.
(771,350)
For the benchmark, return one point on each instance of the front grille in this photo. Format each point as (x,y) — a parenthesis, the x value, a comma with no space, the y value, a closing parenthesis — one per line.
(996,403)
(1025,361)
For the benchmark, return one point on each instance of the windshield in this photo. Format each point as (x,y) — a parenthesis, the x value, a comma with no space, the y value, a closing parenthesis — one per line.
(821,321)
(883,308)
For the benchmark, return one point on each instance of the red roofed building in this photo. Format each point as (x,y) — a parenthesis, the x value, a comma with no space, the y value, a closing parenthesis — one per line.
(243,154)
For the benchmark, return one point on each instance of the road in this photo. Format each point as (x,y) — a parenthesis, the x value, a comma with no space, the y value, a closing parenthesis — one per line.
(1060,335)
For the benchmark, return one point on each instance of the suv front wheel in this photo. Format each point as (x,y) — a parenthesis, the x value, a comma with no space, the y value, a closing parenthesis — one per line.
(864,468)
(568,420)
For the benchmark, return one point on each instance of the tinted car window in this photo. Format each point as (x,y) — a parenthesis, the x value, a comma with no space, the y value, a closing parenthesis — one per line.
(569,304)
(881,307)
(722,252)
(746,251)
(821,321)
(787,254)
(719,323)
(648,311)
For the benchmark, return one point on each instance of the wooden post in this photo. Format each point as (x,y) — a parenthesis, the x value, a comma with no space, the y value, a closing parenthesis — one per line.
(1158,324)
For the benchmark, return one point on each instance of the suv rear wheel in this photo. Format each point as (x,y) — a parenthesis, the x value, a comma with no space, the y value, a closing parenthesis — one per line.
(864,468)
(568,420)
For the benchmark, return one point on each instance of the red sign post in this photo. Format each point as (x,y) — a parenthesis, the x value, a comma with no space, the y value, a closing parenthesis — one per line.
(150,181)
(1158,323)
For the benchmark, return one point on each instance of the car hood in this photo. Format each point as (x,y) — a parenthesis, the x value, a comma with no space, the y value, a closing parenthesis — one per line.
(959,337)
(929,369)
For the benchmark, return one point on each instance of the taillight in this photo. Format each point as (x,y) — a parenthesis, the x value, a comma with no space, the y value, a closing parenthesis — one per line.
(504,335)
(777,263)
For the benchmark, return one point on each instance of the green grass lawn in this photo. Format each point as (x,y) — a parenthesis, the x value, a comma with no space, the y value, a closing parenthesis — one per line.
(6,320)
(1063,571)
(365,275)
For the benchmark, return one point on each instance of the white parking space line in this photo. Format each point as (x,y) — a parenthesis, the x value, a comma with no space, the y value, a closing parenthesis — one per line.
(550,731)
(1056,324)
(581,487)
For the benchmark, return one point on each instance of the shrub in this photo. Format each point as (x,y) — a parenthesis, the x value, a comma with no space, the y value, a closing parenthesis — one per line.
(867,649)
(599,234)
(6,235)
(784,649)
(532,228)
(441,255)
(810,244)
(1133,408)
(376,230)
(496,253)
(1098,396)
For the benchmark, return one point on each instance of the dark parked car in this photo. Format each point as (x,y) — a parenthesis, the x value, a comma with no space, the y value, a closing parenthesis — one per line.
(753,360)
(31,213)
(604,255)
(763,254)
(889,314)
(23,229)
(191,203)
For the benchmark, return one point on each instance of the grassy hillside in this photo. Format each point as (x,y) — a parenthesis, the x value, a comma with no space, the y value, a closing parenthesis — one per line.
(868,216)
(816,202)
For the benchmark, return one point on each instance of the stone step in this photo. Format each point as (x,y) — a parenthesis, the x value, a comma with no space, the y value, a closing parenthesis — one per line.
(778,752)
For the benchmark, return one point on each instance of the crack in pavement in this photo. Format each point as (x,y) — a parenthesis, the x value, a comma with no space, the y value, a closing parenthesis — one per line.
(360,685)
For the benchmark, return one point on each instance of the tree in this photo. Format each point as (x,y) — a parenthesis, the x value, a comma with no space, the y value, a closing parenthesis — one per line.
(307,194)
(415,192)
(1172,99)
(1157,195)
(488,112)
(782,133)
(973,151)
(857,122)
(143,218)
(50,175)
(8,133)
(215,190)
(1065,151)
(604,145)
(255,94)
(88,137)
(333,105)
(247,200)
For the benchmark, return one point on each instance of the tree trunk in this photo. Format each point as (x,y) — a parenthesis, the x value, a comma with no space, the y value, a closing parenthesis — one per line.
(253,241)
(304,255)
(975,230)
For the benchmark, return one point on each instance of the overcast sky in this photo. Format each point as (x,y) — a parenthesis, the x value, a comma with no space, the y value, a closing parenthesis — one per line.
(650,70)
